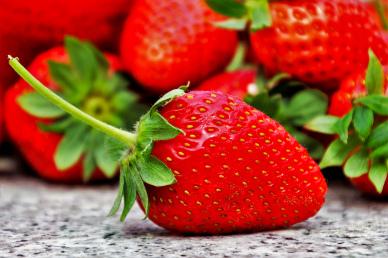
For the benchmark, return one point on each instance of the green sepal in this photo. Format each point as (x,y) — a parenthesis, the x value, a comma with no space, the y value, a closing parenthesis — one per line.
(89,166)
(129,190)
(71,147)
(36,105)
(254,12)
(378,136)
(138,163)
(363,119)
(358,164)
(380,152)
(63,75)
(115,149)
(342,126)
(120,194)
(377,103)
(155,173)
(104,161)
(306,105)
(230,8)
(233,24)
(168,97)
(58,126)
(259,14)
(269,105)
(337,152)
(374,79)
(323,124)
(238,58)
(378,175)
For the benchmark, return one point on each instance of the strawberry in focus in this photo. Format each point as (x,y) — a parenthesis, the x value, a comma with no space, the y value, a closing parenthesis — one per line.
(170,42)
(358,114)
(207,163)
(318,42)
(58,147)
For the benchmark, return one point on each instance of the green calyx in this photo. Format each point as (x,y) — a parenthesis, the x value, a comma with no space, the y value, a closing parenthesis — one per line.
(292,105)
(87,83)
(132,151)
(362,146)
(255,13)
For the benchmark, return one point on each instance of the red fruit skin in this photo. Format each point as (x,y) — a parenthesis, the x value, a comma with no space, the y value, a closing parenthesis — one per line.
(44,23)
(237,170)
(373,13)
(234,83)
(319,41)
(352,88)
(37,146)
(168,44)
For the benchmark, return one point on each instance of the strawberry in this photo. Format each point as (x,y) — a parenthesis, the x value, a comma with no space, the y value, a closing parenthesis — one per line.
(379,11)
(58,147)
(170,42)
(318,42)
(358,114)
(208,163)
(278,102)
(43,24)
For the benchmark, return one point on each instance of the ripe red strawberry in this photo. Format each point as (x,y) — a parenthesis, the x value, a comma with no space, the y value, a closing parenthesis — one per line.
(318,42)
(43,24)
(171,42)
(235,169)
(361,104)
(59,148)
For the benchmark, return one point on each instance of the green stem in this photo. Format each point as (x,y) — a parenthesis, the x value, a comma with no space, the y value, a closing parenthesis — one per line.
(380,8)
(118,134)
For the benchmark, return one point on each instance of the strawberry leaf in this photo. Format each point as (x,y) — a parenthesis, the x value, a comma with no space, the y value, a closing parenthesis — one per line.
(363,121)
(337,152)
(129,190)
(36,105)
(82,59)
(378,175)
(230,8)
(316,102)
(323,124)
(380,152)
(63,75)
(342,126)
(156,173)
(58,126)
(378,136)
(104,161)
(71,147)
(140,187)
(120,194)
(358,164)
(374,76)
(168,97)
(259,14)
(378,104)
(233,24)
(115,149)
(154,127)
(88,166)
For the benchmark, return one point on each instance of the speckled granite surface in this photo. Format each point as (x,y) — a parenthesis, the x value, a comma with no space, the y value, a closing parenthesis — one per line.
(42,220)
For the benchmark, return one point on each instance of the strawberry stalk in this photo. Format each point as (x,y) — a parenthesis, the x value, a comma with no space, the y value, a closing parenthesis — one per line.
(133,150)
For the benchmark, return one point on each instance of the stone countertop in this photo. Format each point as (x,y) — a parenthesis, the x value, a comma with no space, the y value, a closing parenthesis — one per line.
(43,220)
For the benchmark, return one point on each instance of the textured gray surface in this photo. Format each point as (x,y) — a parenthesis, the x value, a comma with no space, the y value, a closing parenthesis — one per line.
(43,220)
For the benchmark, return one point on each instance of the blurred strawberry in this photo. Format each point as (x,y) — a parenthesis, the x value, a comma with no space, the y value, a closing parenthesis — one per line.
(359,112)
(29,27)
(58,147)
(167,43)
(318,41)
